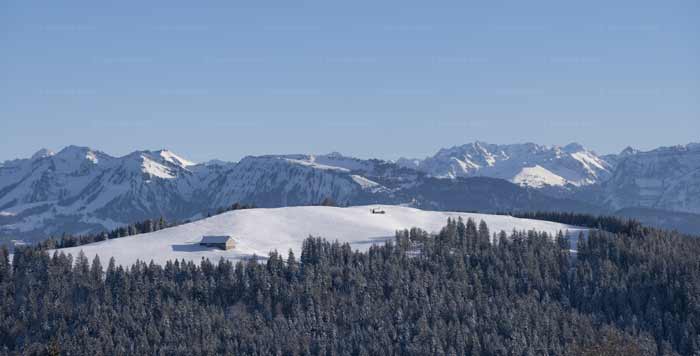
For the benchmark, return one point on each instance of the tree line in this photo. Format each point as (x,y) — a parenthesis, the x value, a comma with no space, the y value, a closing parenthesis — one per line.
(141,227)
(601,222)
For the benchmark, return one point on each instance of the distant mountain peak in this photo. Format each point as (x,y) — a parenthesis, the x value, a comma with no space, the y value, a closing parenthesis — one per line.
(72,149)
(43,153)
(574,147)
(334,154)
(74,158)
(523,163)
(171,157)
(628,151)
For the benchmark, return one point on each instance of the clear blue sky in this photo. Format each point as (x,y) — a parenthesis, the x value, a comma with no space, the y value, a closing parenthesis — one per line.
(223,79)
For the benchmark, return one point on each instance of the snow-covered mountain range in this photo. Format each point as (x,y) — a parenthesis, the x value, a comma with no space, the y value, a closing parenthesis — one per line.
(80,190)
(665,178)
(526,164)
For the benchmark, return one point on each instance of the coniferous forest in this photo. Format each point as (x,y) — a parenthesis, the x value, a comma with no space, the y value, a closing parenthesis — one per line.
(464,291)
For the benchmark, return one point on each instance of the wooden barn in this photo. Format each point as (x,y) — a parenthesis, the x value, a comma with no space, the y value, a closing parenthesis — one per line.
(223,242)
(377,211)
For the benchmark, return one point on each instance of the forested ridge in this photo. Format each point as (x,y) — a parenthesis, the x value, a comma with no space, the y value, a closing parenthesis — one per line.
(464,291)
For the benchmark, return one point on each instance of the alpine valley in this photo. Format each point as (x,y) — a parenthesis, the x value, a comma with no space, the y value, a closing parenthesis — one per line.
(80,190)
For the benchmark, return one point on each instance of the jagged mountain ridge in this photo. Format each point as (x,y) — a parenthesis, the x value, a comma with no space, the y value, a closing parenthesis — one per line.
(665,179)
(87,189)
(80,190)
(527,164)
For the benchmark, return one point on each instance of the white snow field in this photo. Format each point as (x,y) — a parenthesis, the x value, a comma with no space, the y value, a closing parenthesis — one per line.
(259,231)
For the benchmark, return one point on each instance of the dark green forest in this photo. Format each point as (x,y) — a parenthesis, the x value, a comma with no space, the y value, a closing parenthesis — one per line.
(464,291)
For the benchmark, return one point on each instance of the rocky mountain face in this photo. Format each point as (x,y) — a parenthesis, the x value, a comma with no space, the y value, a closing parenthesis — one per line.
(667,178)
(525,164)
(79,190)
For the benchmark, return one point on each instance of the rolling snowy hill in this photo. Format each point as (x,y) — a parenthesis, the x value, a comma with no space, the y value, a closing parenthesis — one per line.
(259,231)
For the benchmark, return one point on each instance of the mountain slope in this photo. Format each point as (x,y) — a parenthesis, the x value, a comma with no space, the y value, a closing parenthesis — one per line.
(259,231)
(79,189)
(272,181)
(666,178)
(489,195)
(526,164)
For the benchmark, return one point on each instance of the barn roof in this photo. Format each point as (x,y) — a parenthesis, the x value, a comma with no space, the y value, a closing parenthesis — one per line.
(220,239)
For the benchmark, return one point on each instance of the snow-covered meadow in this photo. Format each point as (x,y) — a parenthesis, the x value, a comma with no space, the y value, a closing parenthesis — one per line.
(259,231)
